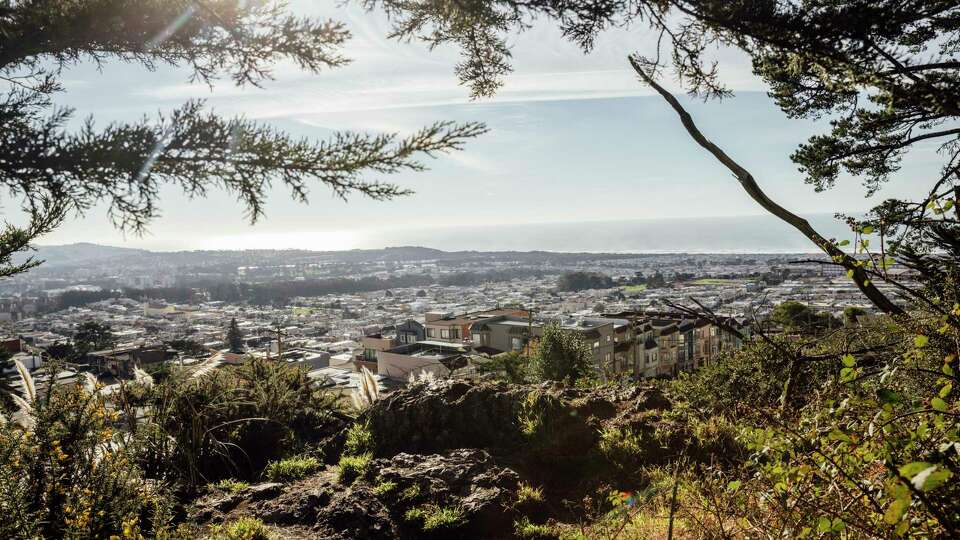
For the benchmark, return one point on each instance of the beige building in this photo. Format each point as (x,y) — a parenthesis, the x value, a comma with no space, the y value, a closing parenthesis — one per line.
(437,357)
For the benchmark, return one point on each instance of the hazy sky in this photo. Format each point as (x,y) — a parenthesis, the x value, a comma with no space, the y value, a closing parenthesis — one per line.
(573,138)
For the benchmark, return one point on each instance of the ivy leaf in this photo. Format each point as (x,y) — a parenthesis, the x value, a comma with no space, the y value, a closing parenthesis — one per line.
(938,404)
(947,370)
(848,360)
(733,486)
(920,341)
(945,391)
(837,435)
(930,478)
(888,396)
(897,509)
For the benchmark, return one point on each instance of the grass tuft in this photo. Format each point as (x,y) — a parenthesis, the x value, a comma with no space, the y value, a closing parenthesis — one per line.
(231,485)
(352,467)
(436,518)
(291,469)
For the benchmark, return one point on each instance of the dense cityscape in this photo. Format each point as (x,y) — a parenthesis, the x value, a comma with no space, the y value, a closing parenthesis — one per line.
(337,312)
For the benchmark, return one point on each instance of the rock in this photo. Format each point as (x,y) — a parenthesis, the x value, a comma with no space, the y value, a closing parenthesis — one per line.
(466,479)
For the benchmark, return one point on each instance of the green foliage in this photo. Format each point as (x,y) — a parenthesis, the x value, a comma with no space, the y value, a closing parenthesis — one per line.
(561,355)
(231,485)
(350,468)
(55,166)
(359,439)
(230,422)
(527,530)
(92,336)
(291,469)
(527,494)
(851,313)
(794,316)
(66,473)
(434,518)
(235,337)
(410,493)
(384,487)
(579,281)
(538,415)
(244,528)
(512,367)
(620,446)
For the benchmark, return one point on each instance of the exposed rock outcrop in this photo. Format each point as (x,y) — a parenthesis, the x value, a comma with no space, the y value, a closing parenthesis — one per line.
(448,457)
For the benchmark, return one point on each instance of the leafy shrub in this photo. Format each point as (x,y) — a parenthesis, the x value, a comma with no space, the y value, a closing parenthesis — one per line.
(231,485)
(620,445)
(230,422)
(291,469)
(359,439)
(561,355)
(436,518)
(244,528)
(66,473)
(352,467)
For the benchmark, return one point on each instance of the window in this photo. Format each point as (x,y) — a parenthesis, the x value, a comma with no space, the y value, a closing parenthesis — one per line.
(516,344)
(454,333)
(596,344)
(478,338)
(370,355)
(444,334)
(431,332)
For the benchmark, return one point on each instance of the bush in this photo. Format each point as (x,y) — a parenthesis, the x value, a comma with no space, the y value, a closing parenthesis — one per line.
(359,439)
(230,422)
(352,467)
(561,355)
(245,528)
(65,473)
(410,493)
(620,446)
(291,469)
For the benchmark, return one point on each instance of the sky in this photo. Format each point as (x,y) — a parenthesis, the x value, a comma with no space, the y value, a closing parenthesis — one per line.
(573,138)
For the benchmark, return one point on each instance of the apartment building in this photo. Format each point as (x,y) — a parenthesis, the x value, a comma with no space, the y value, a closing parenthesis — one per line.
(456,329)
(437,357)
(611,341)
(668,343)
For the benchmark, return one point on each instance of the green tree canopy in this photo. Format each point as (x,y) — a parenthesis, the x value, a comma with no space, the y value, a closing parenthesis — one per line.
(561,355)
(235,337)
(92,336)
(885,74)
(53,170)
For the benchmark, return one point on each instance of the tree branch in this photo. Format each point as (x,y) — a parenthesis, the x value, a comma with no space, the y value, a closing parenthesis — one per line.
(756,193)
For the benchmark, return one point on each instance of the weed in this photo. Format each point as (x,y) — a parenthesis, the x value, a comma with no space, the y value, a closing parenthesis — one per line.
(352,467)
(434,518)
(291,469)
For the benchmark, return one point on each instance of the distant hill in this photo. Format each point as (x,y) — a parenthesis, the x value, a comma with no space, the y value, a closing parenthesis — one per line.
(80,254)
